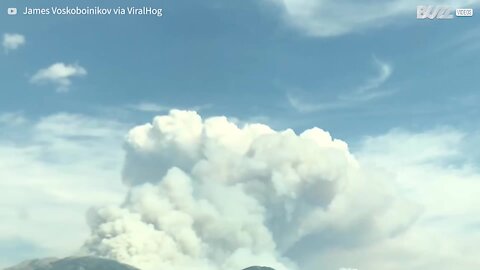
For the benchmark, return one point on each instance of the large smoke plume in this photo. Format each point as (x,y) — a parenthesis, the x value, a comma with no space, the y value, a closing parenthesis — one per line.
(205,194)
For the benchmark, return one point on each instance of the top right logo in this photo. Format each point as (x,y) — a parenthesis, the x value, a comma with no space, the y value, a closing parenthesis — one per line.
(442,12)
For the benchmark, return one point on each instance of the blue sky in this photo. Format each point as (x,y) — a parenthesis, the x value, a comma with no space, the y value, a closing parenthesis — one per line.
(355,73)
(243,59)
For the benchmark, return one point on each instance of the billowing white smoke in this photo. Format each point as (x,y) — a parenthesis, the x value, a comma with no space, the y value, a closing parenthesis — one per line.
(209,195)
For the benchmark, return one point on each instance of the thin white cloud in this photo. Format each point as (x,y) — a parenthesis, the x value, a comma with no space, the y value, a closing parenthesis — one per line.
(464,42)
(59,74)
(149,107)
(384,72)
(303,106)
(158,108)
(369,90)
(12,41)
(12,119)
(326,18)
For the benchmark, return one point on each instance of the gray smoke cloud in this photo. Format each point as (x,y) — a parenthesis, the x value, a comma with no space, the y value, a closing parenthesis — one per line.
(206,194)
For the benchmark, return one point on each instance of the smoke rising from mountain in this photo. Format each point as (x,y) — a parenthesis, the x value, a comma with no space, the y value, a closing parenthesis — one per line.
(206,194)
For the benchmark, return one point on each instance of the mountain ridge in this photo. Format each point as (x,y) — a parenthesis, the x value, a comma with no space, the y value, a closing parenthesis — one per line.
(85,263)
(72,263)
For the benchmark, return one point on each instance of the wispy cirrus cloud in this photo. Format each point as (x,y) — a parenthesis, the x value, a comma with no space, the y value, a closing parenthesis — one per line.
(152,107)
(369,90)
(148,107)
(12,41)
(59,74)
(384,72)
(467,41)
